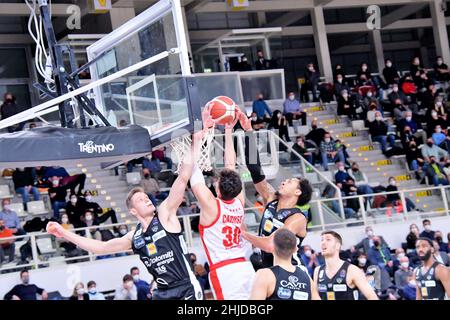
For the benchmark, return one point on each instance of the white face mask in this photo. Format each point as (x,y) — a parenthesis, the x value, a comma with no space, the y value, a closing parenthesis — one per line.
(73,200)
(369,94)
(434,114)
(395,89)
(88,198)
(327,140)
(88,218)
(254,118)
(64,220)
(362,261)
(427,227)
(339,80)
(400,255)
(6,207)
(341,168)
(405,264)
(439,103)
(291,98)
(408,119)
(279,116)
(136,277)
(414,230)
(364,68)
(93,290)
(388,64)
(439,130)
(308,253)
(369,233)
(378,118)
(393,183)
(123,231)
(439,62)
(345,95)
(80,291)
(55,183)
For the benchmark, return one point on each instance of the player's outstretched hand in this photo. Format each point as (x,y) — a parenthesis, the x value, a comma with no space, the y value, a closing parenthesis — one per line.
(55,229)
(236,118)
(208,121)
(244,120)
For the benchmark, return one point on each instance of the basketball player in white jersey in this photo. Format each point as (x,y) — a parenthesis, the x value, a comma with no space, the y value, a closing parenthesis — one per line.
(231,275)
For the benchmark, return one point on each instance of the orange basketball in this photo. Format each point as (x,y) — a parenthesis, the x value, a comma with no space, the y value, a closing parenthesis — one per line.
(222,110)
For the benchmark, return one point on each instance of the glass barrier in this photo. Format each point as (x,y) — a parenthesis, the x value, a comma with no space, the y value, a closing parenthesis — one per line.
(268,82)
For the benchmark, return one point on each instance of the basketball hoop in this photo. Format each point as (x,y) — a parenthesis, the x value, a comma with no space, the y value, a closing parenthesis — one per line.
(182,146)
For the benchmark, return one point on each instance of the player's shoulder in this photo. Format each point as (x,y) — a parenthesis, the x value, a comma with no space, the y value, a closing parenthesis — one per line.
(265,274)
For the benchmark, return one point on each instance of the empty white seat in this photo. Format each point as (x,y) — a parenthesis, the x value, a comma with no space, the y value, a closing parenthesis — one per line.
(4,192)
(291,131)
(18,208)
(133,178)
(45,245)
(36,207)
(303,130)
(358,125)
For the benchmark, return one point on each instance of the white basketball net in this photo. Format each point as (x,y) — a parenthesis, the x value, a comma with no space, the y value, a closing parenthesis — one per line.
(182,146)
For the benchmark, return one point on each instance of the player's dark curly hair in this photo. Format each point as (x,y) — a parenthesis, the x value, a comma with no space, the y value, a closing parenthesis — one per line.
(230,184)
(307,191)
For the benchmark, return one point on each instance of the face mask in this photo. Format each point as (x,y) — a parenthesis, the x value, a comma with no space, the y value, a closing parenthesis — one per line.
(259,199)
(341,168)
(244,59)
(308,253)
(369,233)
(416,61)
(405,264)
(291,98)
(279,116)
(88,198)
(364,68)
(439,104)
(395,89)
(408,119)
(55,183)
(427,227)
(311,69)
(254,118)
(25,280)
(378,118)
(388,64)
(64,220)
(147,175)
(73,200)
(88,218)
(129,284)
(430,144)
(400,255)
(93,290)
(136,277)
(339,80)
(439,62)
(6,207)
(314,127)
(393,183)
(327,140)
(414,230)
(426,256)
(369,94)
(123,231)
(355,169)
(80,291)
(434,114)
(362,261)
(345,96)
(438,130)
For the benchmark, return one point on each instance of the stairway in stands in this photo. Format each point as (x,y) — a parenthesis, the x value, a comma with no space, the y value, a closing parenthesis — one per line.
(371,161)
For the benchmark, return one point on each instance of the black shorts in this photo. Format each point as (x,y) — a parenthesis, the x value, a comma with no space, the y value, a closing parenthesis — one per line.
(182,292)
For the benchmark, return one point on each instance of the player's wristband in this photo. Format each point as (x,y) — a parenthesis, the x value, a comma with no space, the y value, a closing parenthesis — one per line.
(197,176)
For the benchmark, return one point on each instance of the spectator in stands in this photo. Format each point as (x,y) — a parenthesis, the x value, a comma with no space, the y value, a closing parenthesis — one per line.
(316,134)
(330,192)
(261,108)
(415,69)
(412,237)
(292,110)
(261,63)
(439,137)
(66,180)
(88,220)
(10,218)
(365,244)
(372,110)
(346,105)
(363,76)
(312,78)
(435,172)
(340,85)
(339,70)
(427,232)
(244,65)
(359,178)
(279,122)
(439,255)
(431,150)
(435,120)
(154,165)
(79,293)
(429,96)
(8,109)
(75,209)
(408,86)
(441,70)
(393,199)
(379,132)
(257,124)
(160,154)
(409,291)
(95,208)
(299,147)
(185,209)
(7,247)
(390,73)
(413,157)
(70,248)
(200,272)
(400,110)
(380,256)
(330,151)
(127,290)
(92,291)
(402,274)
(151,187)
(309,258)
(24,184)
(25,290)
(408,121)
(396,94)
(143,287)
(443,246)
(362,262)
(407,137)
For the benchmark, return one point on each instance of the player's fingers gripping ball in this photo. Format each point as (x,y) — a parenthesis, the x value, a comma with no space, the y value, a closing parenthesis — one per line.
(223,110)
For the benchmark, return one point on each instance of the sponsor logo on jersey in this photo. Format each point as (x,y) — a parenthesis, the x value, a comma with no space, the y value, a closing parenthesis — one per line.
(330,295)
(342,274)
(267,214)
(299,295)
(155,228)
(137,233)
(431,271)
(293,283)
(339,287)
(268,226)
(278,224)
(428,277)
(293,279)
(339,280)
(161,270)
(321,273)
(322,288)
(139,243)
(283,293)
(159,235)
(151,249)
(430,283)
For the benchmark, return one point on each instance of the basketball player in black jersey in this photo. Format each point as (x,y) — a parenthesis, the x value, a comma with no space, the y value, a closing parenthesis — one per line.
(432,278)
(286,207)
(338,279)
(284,281)
(157,239)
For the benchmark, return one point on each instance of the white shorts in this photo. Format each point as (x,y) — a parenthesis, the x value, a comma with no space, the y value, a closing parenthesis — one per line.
(232,281)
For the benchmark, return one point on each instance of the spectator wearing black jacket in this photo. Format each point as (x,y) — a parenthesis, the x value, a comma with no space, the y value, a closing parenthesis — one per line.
(312,78)
(299,147)
(364,77)
(395,197)
(316,134)
(346,105)
(390,73)
(25,290)
(442,72)
(414,156)
(8,109)
(262,63)
(429,96)
(24,184)
(95,208)
(57,196)
(378,130)
(412,237)
(340,85)
(75,209)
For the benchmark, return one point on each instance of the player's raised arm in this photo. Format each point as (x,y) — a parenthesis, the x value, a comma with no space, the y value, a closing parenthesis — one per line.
(253,162)
(91,245)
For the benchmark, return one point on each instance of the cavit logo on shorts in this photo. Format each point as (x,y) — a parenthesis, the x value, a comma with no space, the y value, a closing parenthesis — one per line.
(90,147)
